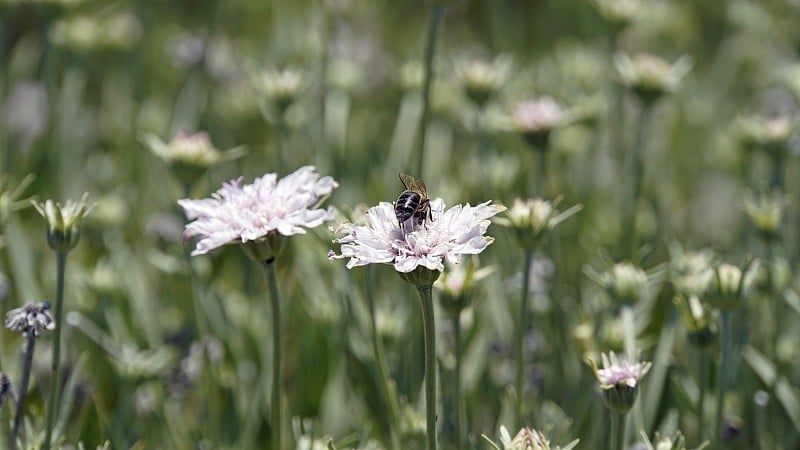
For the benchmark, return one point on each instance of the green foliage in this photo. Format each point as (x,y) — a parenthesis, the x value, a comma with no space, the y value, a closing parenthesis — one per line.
(161,350)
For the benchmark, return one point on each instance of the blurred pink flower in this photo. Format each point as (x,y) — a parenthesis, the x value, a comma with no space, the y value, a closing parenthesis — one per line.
(239,213)
(452,233)
(617,372)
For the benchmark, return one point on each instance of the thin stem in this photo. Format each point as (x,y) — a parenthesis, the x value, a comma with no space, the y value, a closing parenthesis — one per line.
(55,383)
(618,425)
(542,181)
(456,318)
(522,325)
(377,348)
(636,167)
(722,374)
(702,374)
(428,324)
(27,361)
(283,141)
(430,49)
(268,268)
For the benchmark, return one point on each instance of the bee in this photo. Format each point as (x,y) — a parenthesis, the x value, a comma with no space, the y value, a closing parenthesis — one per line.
(413,202)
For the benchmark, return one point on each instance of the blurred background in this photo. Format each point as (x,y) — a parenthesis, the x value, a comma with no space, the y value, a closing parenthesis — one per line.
(157,357)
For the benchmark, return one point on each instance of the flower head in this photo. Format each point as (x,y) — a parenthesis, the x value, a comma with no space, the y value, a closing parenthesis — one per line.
(86,34)
(457,284)
(449,235)
(649,76)
(532,219)
(189,154)
(618,13)
(536,118)
(768,134)
(31,318)
(677,442)
(624,282)
(62,221)
(730,285)
(699,319)
(527,439)
(619,380)
(690,272)
(252,213)
(766,214)
(281,87)
(480,78)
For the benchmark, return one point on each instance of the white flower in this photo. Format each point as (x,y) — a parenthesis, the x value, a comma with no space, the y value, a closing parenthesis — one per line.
(538,114)
(241,213)
(30,318)
(618,372)
(452,233)
(527,439)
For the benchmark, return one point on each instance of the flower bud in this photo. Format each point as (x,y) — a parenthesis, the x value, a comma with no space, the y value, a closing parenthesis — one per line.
(729,286)
(533,219)
(766,214)
(649,76)
(62,221)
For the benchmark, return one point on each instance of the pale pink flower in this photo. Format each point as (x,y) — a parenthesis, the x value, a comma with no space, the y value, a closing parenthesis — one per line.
(537,115)
(239,213)
(457,231)
(617,372)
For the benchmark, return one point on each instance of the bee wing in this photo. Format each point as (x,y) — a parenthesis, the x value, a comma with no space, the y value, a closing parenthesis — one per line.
(414,185)
(407,180)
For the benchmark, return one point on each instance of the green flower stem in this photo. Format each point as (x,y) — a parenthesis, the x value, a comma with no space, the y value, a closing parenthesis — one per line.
(726,330)
(702,375)
(55,381)
(377,348)
(636,168)
(283,141)
(542,178)
(428,324)
(776,179)
(27,361)
(618,425)
(522,325)
(268,268)
(430,49)
(459,405)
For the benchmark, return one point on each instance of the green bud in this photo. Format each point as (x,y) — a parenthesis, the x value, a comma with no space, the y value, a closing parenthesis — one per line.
(62,221)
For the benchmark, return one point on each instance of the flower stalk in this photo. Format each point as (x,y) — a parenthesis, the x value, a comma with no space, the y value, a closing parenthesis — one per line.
(55,385)
(459,405)
(428,324)
(636,167)
(268,268)
(437,12)
(519,337)
(618,429)
(726,330)
(27,362)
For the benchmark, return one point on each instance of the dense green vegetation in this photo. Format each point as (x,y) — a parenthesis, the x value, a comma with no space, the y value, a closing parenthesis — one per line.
(666,131)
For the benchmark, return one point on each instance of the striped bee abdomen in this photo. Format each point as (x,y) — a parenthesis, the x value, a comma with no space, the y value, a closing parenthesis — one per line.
(406,205)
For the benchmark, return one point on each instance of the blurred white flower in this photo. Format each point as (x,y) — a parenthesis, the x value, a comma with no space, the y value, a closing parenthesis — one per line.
(31,318)
(527,439)
(452,233)
(239,213)
(538,115)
